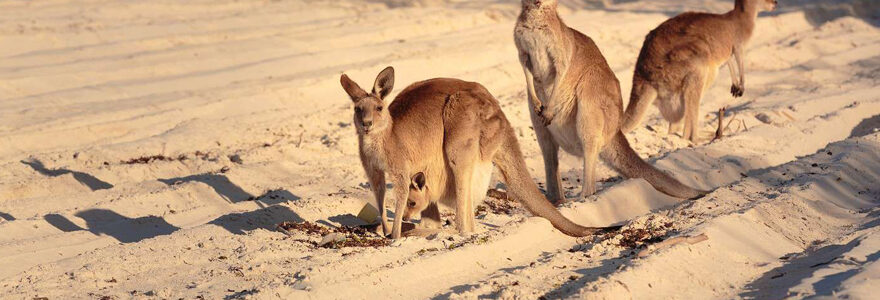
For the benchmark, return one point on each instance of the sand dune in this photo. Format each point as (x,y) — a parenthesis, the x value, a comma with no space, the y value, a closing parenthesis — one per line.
(149,148)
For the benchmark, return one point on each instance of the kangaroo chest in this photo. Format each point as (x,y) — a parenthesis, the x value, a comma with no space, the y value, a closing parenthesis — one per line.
(372,154)
(541,48)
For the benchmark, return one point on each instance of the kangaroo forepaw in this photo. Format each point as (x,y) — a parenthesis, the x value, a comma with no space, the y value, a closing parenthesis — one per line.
(736,90)
(546,117)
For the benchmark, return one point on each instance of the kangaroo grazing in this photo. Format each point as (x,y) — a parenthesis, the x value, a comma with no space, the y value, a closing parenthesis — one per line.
(680,59)
(576,103)
(452,131)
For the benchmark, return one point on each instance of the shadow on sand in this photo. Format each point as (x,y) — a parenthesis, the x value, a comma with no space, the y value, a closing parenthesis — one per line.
(220,183)
(776,283)
(108,222)
(264,218)
(6,216)
(88,180)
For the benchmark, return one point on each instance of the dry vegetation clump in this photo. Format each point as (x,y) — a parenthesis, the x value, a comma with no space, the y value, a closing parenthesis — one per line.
(159,157)
(346,236)
(640,234)
(498,203)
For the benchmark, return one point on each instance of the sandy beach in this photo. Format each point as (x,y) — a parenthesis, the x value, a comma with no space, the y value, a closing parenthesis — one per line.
(149,149)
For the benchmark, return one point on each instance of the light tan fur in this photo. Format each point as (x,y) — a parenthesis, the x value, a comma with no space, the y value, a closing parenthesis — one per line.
(679,61)
(452,131)
(576,103)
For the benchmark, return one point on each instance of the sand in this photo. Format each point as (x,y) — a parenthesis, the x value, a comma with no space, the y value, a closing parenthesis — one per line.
(149,148)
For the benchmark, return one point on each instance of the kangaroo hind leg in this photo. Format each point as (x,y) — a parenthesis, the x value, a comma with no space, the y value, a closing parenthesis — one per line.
(462,147)
(692,91)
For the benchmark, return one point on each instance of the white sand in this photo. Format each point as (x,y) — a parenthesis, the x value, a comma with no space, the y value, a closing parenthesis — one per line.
(85,85)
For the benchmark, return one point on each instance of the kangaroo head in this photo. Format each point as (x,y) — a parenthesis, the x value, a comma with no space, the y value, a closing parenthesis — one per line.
(417,200)
(758,5)
(533,4)
(767,5)
(370,114)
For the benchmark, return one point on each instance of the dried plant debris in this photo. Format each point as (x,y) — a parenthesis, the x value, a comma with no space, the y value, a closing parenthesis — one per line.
(499,203)
(349,236)
(149,159)
(153,158)
(473,239)
(306,227)
(641,232)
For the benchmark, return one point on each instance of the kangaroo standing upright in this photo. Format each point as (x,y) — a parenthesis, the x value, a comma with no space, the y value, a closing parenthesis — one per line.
(680,59)
(576,103)
(453,131)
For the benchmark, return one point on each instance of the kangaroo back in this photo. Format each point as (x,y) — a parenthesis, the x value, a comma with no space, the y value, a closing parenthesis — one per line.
(522,188)
(626,161)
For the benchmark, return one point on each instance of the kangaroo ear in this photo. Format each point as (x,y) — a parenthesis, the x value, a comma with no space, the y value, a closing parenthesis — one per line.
(418,181)
(384,83)
(353,89)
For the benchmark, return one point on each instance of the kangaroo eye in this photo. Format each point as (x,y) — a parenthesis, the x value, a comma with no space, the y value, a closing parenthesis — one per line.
(358,109)
(412,204)
(378,108)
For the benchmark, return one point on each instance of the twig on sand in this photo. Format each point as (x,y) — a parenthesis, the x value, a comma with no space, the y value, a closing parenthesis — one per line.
(672,242)
(720,131)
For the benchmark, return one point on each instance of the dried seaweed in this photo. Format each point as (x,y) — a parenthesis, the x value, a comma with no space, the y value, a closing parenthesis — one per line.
(354,236)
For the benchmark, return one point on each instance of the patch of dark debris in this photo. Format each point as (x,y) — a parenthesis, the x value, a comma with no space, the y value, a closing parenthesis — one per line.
(498,202)
(154,158)
(640,234)
(274,194)
(335,238)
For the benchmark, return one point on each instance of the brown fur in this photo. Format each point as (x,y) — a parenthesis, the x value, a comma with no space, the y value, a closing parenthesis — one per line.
(451,130)
(680,59)
(576,102)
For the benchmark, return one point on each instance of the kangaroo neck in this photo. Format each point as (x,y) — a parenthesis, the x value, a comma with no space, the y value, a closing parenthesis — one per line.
(377,144)
(542,18)
(547,23)
(745,13)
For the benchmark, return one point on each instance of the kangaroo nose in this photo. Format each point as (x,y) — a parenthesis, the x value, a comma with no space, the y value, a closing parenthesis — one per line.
(367,124)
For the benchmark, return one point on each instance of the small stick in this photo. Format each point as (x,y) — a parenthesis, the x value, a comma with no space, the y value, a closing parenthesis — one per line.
(719,133)
(672,242)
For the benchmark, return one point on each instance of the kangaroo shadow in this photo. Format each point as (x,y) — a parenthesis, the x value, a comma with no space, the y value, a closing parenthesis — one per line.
(866,127)
(88,180)
(220,183)
(108,222)
(264,218)
(6,216)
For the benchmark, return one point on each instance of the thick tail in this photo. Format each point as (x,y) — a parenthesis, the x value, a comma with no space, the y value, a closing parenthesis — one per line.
(627,162)
(643,94)
(521,187)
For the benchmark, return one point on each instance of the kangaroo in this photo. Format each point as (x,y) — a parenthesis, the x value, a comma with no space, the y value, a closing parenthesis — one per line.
(680,59)
(451,130)
(576,104)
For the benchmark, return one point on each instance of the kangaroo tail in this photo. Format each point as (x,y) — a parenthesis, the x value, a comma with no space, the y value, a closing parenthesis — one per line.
(627,162)
(521,187)
(643,94)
